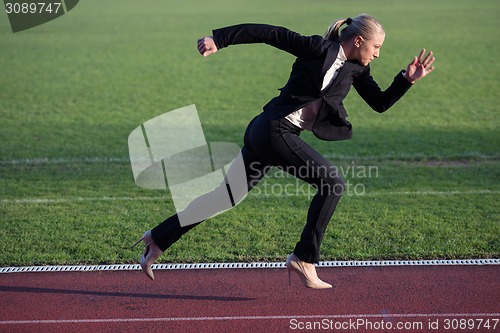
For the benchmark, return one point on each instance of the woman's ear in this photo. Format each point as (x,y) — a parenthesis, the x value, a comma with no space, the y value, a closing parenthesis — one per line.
(358,41)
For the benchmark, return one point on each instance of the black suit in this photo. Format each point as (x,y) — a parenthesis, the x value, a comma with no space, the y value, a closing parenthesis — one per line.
(271,140)
(315,55)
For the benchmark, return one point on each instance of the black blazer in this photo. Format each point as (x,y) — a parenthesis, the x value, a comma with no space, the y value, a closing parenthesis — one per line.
(315,55)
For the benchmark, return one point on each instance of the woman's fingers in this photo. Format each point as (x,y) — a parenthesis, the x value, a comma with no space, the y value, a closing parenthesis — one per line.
(420,66)
(427,60)
(201,45)
(421,55)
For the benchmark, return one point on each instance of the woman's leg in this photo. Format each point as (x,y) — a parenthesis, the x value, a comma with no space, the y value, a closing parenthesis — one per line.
(283,148)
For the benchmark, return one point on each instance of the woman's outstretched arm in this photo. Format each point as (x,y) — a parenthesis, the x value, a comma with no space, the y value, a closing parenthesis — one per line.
(279,37)
(381,101)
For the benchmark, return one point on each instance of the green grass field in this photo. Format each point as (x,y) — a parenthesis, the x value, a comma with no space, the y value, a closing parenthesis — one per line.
(73,89)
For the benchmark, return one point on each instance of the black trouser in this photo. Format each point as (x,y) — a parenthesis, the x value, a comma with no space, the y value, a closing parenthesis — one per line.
(269,143)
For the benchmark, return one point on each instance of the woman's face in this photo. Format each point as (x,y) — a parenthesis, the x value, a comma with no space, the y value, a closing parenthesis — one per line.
(365,51)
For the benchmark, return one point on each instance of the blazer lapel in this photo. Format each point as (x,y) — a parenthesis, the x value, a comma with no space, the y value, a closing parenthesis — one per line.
(344,71)
(331,56)
(349,68)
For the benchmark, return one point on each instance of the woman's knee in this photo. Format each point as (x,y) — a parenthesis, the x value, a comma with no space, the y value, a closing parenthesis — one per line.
(332,184)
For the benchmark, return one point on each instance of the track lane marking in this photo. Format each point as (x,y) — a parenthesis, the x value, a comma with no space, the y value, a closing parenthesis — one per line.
(224,318)
(341,157)
(369,194)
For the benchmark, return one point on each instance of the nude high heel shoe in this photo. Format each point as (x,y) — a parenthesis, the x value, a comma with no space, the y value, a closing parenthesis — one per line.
(296,265)
(150,254)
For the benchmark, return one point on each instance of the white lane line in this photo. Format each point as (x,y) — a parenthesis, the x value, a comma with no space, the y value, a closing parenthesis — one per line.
(78,199)
(438,193)
(225,318)
(342,157)
(368,194)
(64,160)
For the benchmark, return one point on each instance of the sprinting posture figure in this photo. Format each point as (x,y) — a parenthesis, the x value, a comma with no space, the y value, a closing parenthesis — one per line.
(325,69)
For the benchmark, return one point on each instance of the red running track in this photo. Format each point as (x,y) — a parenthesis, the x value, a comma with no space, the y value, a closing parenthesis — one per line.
(364,299)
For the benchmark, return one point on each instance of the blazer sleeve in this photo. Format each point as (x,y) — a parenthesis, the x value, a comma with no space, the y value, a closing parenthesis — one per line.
(276,36)
(377,99)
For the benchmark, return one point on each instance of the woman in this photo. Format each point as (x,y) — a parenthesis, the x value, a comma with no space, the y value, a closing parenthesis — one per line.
(325,68)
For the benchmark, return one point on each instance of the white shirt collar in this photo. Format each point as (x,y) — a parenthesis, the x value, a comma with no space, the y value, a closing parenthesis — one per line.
(341,56)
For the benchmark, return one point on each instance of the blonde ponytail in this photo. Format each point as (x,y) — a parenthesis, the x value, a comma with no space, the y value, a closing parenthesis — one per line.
(362,25)
(333,31)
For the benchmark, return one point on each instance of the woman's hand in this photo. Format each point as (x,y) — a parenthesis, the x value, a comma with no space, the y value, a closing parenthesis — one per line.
(419,67)
(206,46)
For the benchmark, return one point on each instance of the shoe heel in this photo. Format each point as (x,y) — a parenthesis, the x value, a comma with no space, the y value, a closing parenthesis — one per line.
(150,254)
(137,242)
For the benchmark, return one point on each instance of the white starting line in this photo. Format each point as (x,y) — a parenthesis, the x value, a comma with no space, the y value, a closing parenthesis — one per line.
(254,265)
